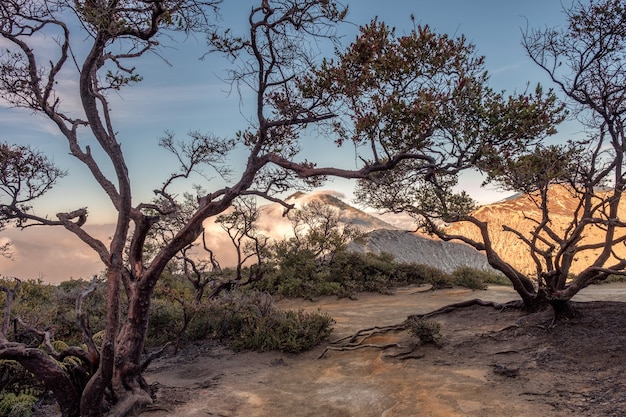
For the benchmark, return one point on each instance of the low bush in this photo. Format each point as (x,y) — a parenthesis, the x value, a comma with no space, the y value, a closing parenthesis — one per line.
(17,405)
(252,321)
(427,331)
(469,278)
(612,279)
(477,279)
(345,275)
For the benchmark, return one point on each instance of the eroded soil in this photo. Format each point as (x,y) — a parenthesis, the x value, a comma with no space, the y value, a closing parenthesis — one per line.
(491,364)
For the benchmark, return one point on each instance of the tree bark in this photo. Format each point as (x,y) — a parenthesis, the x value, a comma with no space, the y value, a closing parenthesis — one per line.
(563,310)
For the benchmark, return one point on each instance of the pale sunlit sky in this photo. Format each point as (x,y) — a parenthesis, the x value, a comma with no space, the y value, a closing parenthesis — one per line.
(187,93)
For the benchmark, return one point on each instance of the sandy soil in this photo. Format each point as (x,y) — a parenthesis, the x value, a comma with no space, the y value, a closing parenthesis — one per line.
(491,364)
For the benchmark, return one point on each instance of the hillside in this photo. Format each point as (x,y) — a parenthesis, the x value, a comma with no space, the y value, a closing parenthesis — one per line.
(413,248)
(384,237)
(515,212)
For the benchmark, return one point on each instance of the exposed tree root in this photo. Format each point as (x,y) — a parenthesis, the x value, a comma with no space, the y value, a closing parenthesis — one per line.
(518,304)
(358,339)
(360,346)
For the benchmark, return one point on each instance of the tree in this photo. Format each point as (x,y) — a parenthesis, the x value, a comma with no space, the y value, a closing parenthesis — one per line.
(241,225)
(318,229)
(200,271)
(437,81)
(25,175)
(585,61)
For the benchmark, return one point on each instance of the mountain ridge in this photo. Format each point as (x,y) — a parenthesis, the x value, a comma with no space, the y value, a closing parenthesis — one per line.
(404,245)
(521,213)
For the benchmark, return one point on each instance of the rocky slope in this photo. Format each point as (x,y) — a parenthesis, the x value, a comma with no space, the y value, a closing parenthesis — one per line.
(383,237)
(517,212)
(413,248)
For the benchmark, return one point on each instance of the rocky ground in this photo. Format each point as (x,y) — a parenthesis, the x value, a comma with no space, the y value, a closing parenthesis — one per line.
(491,363)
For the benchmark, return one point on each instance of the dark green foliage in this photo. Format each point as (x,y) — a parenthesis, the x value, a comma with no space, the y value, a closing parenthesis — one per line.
(252,321)
(477,279)
(243,320)
(42,305)
(300,274)
(20,405)
(611,279)
(427,274)
(66,294)
(494,278)
(469,278)
(427,331)
(16,379)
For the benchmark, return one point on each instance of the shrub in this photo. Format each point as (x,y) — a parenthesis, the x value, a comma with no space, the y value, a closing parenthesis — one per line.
(20,405)
(433,276)
(427,331)
(345,275)
(612,279)
(166,321)
(252,321)
(477,279)
(66,294)
(469,278)
(496,278)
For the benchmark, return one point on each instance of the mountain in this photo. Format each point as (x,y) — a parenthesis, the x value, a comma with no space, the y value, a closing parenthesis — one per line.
(413,248)
(405,246)
(53,254)
(517,212)
(349,214)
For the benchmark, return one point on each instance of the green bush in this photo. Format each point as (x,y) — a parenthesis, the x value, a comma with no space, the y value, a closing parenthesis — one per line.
(20,405)
(251,321)
(612,279)
(300,274)
(427,331)
(435,277)
(469,278)
(166,322)
(477,279)
(66,294)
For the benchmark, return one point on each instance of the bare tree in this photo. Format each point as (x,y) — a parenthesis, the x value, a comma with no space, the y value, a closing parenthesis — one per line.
(196,261)
(240,224)
(25,175)
(270,60)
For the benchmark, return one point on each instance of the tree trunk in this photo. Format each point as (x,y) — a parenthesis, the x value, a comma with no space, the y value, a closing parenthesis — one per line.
(538,302)
(563,310)
(129,386)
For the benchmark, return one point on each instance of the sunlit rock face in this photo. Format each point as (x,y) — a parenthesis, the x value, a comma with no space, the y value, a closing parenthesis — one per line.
(412,248)
(520,212)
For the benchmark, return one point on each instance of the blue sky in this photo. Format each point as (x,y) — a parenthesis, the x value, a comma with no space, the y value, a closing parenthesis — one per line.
(188,94)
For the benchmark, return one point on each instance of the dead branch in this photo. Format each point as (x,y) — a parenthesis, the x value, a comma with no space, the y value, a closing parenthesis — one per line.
(154,355)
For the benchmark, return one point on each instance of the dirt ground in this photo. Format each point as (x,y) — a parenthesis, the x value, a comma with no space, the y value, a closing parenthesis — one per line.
(491,364)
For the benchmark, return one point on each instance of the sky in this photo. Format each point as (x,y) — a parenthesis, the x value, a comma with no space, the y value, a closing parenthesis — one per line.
(183,93)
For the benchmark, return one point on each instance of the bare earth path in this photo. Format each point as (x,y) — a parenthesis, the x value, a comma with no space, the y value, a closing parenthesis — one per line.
(492,364)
